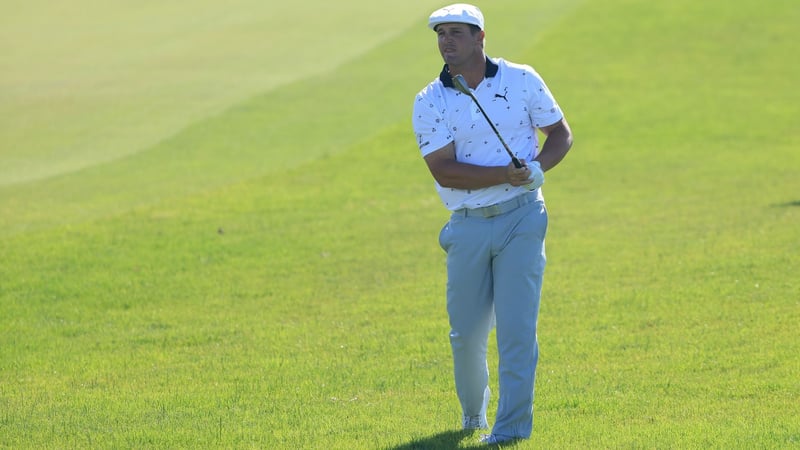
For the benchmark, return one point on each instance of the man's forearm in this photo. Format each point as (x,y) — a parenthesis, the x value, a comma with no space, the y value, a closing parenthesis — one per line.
(556,145)
(457,175)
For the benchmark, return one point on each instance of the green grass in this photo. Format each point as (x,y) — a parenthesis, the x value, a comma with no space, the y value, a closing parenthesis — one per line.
(267,275)
(107,81)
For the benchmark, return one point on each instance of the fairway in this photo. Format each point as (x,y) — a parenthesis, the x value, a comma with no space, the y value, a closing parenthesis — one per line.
(216,230)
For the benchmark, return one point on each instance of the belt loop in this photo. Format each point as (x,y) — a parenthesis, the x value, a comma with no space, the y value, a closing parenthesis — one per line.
(493,210)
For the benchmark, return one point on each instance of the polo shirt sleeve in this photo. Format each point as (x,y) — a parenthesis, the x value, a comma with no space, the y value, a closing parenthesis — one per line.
(429,123)
(542,108)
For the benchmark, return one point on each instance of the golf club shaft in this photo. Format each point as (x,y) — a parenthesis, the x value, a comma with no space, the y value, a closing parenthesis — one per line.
(514,159)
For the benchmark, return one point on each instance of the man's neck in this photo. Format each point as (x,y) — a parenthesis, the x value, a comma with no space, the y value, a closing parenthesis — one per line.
(473,71)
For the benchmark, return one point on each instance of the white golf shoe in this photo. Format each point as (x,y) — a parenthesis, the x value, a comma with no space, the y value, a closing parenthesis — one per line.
(478,422)
(494,439)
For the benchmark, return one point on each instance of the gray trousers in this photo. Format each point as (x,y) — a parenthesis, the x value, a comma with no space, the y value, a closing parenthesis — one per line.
(495,267)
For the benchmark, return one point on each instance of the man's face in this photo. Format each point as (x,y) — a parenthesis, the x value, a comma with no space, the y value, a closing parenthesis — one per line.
(457,44)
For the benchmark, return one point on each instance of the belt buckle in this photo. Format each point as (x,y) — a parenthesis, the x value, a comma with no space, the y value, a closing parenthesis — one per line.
(491,211)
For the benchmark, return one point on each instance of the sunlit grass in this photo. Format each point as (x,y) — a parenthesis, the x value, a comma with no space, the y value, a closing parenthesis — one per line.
(304,308)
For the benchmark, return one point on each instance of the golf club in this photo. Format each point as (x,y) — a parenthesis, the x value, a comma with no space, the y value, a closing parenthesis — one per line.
(461,85)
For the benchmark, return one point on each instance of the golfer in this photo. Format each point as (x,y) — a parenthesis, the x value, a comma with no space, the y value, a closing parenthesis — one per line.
(494,238)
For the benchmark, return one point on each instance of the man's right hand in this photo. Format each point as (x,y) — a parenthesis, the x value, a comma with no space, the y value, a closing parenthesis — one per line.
(517,176)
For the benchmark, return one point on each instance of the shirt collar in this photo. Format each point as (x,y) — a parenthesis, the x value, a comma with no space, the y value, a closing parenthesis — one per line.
(447,79)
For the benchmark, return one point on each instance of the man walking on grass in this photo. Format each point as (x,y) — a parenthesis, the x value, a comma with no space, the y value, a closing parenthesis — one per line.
(494,239)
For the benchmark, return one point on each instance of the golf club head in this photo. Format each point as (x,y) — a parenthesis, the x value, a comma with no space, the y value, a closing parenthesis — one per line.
(461,84)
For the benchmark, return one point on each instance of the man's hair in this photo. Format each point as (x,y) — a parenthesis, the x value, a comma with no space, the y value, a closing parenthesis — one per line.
(473,29)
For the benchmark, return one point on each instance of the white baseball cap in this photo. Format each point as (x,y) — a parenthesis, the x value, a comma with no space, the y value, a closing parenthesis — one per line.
(458,13)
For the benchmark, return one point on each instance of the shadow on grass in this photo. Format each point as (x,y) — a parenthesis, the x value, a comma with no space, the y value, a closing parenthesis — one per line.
(787,204)
(449,440)
(445,440)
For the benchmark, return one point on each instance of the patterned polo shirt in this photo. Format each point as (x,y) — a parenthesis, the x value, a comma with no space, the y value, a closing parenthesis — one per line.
(514,97)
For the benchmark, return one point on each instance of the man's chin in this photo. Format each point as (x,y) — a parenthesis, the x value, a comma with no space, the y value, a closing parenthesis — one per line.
(451,59)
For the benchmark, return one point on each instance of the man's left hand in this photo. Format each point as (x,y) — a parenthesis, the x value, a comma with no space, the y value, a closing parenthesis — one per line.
(536,177)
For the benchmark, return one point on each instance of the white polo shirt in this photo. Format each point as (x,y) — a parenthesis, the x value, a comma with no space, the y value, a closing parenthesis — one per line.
(517,100)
